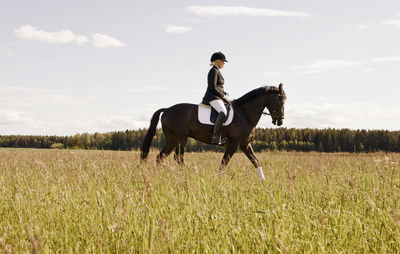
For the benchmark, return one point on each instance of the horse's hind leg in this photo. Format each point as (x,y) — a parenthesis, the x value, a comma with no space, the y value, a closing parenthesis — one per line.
(230,150)
(178,156)
(165,152)
(180,150)
(170,143)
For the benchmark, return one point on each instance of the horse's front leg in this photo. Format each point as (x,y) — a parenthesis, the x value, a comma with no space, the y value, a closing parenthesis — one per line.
(248,150)
(230,150)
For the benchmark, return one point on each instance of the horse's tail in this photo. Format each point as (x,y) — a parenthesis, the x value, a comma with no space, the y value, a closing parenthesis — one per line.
(150,133)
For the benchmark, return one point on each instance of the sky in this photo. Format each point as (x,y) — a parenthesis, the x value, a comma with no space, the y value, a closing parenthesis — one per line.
(70,67)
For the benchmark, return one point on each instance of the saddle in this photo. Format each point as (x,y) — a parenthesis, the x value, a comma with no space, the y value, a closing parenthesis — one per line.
(208,115)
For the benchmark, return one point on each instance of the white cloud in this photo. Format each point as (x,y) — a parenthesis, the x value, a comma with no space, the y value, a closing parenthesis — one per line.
(395,22)
(177,29)
(369,70)
(147,89)
(354,115)
(392,22)
(324,65)
(319,66)
(14,123)
(28,110)
(15,89)
(29,32)
(359,26)
(195,91)
(6,52)
(15,96)
(11,118)
(105,41)
(389,59)
(272,73)
(221,11)
(113,123)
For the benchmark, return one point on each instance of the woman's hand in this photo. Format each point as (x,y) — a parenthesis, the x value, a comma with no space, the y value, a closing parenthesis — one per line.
(227,99)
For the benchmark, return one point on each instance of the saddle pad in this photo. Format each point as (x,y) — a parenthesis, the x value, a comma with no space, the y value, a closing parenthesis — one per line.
(204,115)
(214,114)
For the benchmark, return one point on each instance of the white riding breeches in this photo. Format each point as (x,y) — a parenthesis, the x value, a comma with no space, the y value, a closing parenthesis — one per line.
(219,106)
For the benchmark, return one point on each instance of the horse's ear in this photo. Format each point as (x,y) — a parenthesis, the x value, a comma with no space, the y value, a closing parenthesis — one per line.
(281,88)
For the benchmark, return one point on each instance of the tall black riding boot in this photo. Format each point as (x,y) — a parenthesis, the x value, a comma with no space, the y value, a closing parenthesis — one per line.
(216,137)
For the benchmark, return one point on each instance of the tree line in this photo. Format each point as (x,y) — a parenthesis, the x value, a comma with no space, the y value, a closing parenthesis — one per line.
(277,139)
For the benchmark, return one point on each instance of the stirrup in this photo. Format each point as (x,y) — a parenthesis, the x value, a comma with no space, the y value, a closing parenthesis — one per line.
(217,140)
(223,140)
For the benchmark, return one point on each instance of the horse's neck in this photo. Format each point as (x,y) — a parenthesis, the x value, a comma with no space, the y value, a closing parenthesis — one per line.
(253,109)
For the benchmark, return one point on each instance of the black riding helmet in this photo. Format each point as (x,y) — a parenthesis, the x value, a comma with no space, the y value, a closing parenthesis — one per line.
(218,56)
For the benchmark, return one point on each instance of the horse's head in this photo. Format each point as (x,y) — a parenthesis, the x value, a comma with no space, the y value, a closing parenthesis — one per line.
(276,106)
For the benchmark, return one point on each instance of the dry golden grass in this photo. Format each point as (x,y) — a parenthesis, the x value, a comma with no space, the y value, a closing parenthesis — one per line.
(75,201)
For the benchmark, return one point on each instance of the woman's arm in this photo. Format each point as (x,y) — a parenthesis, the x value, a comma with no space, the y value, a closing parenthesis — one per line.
(212,83)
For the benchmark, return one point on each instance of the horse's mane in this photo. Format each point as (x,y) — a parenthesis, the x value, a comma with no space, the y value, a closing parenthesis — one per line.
(261,90)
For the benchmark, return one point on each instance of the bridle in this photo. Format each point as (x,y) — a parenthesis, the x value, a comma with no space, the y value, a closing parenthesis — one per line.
(274,115)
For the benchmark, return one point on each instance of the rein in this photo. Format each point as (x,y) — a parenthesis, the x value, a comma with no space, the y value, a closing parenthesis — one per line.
(260,112)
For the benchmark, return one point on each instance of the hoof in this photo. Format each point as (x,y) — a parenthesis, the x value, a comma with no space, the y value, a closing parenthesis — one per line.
(260,173)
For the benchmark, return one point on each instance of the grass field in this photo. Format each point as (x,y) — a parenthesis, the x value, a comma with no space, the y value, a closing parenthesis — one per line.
(74,201)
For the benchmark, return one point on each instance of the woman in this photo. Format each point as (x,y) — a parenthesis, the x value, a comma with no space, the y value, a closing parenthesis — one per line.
(215,95)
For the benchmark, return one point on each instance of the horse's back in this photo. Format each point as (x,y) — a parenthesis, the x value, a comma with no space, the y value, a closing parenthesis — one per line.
(179,114)
(181,108)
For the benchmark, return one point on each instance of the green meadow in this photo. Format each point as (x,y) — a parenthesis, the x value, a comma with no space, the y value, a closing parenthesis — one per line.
(80,201)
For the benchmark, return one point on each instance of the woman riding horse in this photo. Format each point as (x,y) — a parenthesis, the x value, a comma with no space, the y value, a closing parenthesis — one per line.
(180,121)
(215,95)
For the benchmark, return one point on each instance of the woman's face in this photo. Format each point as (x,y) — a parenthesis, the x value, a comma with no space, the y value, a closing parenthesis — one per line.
(220,64)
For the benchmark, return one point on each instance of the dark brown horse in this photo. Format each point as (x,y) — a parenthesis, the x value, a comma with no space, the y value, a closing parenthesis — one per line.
(181,121)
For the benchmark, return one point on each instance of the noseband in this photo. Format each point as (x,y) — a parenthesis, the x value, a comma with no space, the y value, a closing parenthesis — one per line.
(274,114)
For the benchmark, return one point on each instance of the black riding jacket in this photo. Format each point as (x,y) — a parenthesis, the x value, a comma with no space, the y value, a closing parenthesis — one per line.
(215,88)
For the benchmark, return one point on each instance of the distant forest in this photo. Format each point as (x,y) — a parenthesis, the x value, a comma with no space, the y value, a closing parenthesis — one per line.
(282,139)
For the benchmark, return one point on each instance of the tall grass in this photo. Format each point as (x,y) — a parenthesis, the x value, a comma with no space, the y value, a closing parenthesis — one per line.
(74,201)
